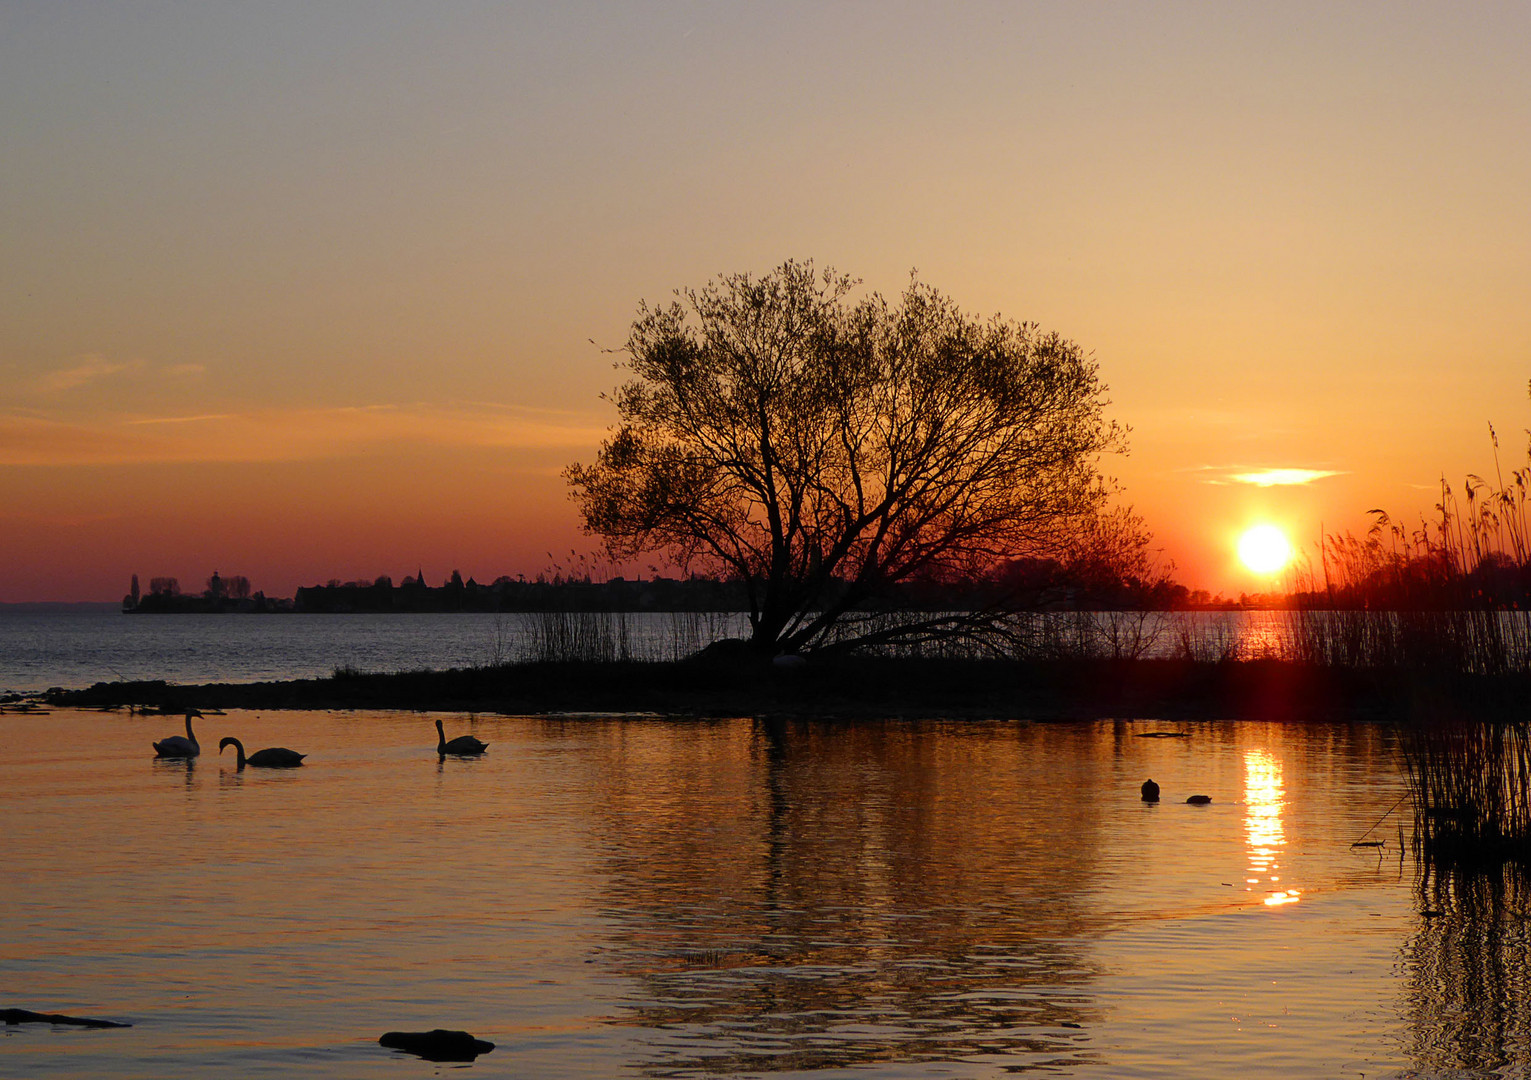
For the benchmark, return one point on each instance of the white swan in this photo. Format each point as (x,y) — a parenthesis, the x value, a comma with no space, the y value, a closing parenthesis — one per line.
(273,757)
(177,747)
(463,744)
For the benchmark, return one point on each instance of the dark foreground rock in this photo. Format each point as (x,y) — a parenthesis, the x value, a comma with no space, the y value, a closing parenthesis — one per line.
(437,1044)
(27,1016)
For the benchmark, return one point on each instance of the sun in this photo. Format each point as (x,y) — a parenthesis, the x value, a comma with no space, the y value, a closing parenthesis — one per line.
(1264,549)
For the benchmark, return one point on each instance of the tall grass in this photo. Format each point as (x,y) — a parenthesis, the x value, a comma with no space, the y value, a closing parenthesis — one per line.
(1441,609)
(1470,777)
(591,636)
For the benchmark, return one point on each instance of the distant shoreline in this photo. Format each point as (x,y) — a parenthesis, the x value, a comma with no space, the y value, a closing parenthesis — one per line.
(856,688)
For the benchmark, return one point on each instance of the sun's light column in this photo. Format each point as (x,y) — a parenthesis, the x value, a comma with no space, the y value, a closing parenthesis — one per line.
(1264,799)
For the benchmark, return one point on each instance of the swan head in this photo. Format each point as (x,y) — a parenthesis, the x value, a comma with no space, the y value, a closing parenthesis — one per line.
(229,740)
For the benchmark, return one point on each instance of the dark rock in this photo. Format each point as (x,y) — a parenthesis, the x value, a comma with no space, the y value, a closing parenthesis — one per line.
(1150,791)
(437,1044)
(1199,800)
(27,1016)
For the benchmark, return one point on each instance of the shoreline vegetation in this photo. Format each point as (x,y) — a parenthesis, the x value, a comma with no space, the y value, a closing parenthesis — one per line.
(728,683)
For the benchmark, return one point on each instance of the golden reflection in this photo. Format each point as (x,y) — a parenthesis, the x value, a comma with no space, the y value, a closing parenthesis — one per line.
(1264,799)
(794,896)
(1263,635)
(1467,970)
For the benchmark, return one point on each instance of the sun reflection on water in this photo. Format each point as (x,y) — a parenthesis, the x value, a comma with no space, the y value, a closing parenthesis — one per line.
(1264,799)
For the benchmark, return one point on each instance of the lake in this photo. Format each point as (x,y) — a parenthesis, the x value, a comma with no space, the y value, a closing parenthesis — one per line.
(609,896)
(76,649)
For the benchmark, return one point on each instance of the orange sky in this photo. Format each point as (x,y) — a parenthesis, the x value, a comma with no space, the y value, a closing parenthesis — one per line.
(304,293)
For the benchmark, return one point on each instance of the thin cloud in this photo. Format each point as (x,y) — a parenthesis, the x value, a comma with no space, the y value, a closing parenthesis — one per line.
(1284,477)
(271,435)
(94,369)
(89,370)
(1222,475)
(203,418)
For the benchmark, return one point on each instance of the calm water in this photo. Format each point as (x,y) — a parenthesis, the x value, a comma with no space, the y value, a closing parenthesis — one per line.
(622,897)
(39,650)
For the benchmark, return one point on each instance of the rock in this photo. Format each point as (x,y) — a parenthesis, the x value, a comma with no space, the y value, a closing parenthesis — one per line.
(1199,800)
(437,1044)
(1150,791)
(27,1016)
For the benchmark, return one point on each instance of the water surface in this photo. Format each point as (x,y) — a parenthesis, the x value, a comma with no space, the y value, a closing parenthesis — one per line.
(607,896)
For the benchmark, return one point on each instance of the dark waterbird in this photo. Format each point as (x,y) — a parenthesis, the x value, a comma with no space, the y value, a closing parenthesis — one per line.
(273,757)
(462,745)
(437,1045)
(176,746)
(1150,791)
(1199,800)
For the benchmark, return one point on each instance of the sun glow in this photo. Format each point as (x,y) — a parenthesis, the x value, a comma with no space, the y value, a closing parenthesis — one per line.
(1264,549)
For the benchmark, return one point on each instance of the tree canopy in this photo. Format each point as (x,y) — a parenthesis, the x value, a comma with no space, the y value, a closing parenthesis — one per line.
(825,450)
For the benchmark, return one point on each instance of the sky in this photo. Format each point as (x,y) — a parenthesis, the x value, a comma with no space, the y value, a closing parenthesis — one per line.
(305,291)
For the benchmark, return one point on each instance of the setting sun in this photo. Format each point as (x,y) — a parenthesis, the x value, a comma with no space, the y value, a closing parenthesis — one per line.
(1264,549)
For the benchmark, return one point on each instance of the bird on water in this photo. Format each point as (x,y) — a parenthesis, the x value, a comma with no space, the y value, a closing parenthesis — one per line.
(273,757)
(462,745)
(1150,791)
(178,746)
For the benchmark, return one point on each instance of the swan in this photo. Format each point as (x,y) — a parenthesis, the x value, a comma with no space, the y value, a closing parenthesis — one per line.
(463,744)
(178,747)
(273,757)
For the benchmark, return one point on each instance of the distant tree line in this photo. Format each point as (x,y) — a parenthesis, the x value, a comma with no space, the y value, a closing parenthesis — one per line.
(1038,584)
(229,594)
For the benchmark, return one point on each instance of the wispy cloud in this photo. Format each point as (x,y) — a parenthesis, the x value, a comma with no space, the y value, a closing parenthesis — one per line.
(200,419)
(1283,477)
(95,368)
(184,370)
(88,370)
(1238,474)
(269,435)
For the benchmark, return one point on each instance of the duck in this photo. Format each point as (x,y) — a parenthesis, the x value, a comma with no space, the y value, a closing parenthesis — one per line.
(178,747)
(1150,791)
(463,744)
(273,757)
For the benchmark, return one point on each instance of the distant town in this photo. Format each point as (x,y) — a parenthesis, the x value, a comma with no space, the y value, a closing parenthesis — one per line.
(1025,584)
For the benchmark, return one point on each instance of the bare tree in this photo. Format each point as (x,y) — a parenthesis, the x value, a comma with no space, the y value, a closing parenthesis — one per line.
(825,451)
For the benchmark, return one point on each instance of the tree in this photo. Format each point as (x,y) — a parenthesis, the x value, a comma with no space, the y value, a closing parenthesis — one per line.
(824,451)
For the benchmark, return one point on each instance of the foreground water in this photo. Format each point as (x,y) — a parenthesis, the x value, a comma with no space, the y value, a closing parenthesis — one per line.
(606,896)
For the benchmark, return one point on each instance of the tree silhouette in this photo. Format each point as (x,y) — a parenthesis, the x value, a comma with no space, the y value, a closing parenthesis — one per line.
(825,451)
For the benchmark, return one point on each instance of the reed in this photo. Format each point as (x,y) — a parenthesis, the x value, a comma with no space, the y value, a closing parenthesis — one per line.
(588,636)
(1441,610)
(1470,778)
